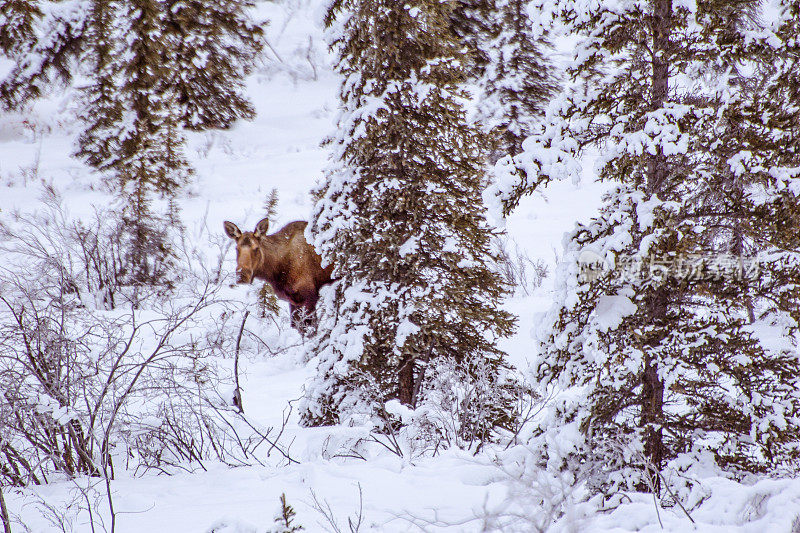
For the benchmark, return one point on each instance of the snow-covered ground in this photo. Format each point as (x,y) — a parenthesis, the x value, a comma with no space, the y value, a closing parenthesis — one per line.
(295,93)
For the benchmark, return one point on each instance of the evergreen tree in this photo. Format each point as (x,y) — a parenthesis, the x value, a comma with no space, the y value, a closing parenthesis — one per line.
(683,344)
(214,45)
(103,105)
(45,54)
(400,216)
(17,18)
(517,79)
(285,519)
(473,23)
(149,159)
(155,67)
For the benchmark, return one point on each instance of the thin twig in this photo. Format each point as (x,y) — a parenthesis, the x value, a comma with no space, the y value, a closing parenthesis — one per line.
(237,394)
(658,514)
(4,513)
(675,499)
(356,526)
(277,55)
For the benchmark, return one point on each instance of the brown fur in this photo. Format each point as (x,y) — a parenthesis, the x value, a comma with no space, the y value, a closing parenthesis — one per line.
(286,261)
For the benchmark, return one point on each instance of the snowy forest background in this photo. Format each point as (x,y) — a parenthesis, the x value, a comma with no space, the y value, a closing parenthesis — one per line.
(565,237)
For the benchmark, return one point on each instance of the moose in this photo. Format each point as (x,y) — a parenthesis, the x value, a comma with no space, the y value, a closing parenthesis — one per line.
(286,261)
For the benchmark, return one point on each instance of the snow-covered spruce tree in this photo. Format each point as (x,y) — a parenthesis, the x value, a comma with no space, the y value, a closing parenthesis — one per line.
(49,42)
(209,48)
(400,215)
(214,48)
(684,346)
(184,69)
(103,105)
(17,19)
(517,80)
(473,22)
(134,108)
(154,68)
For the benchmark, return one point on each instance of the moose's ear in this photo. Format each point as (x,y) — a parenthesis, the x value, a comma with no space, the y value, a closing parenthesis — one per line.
(231,229)
(261,227)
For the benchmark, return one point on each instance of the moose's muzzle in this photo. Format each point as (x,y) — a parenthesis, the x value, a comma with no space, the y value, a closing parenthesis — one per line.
(245,276)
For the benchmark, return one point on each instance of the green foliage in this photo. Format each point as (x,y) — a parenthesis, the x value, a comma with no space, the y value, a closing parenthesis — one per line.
(144,155)
(213,49)
(271,206)
(267,301)
(285,519)
(45,53)
(506,61)
(472,23)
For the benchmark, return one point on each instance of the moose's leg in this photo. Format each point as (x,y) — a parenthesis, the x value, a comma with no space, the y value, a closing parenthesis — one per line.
(301,304)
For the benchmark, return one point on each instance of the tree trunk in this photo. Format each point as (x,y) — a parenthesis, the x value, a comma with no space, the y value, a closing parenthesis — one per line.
(406,378)
(738,251)
(662,22)
(652,399)
(652,420)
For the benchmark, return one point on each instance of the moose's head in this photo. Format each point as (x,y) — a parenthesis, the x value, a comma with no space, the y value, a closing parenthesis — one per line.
(249,250)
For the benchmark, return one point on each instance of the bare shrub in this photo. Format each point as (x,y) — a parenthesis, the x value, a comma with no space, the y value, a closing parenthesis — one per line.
(88,258)
(536,499)
(79,382)
(91,376)
(86,503)
(517,268)
(464,404)
(331,522)
(4,515)
(300,60)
